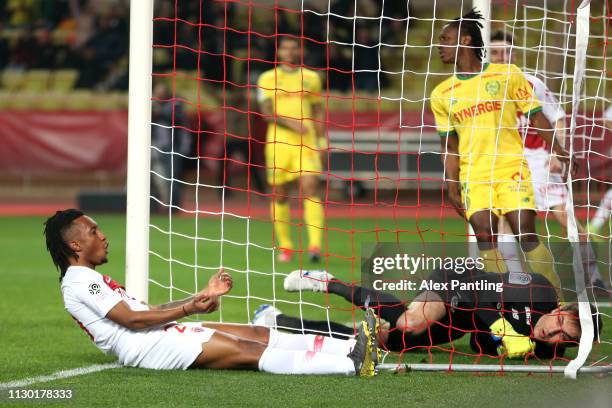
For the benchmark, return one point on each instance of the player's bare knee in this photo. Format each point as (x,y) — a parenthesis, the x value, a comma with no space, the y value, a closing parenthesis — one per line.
(261,333)
(249,353)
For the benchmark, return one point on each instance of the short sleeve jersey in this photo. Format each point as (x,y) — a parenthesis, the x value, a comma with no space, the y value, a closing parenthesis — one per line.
(293,95)
(481,109)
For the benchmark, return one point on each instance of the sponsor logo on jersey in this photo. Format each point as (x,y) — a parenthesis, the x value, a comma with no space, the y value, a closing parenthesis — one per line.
(528,315)
(524,94)
(477,110)
(94,288)
(492,87)
(515,314)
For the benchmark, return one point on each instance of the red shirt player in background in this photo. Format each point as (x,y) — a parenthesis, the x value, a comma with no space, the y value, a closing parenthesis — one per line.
(546,171)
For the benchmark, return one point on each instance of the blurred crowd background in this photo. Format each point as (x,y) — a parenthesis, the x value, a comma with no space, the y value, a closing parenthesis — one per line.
(82,44)
(64,45)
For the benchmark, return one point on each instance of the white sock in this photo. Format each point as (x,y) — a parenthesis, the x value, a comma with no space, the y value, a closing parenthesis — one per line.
(473,250)
(603,211)
(278,361)
(589,259)
(310,342)
(508,247)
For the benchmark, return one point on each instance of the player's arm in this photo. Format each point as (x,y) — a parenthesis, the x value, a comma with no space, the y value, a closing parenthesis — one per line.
(270,117)
(205,301)
(218,285)
(318,113)
(144,319)
(450,160)
(171,305)
(449,141)
(522,93)
(318,116)
(554,164)
(546,131)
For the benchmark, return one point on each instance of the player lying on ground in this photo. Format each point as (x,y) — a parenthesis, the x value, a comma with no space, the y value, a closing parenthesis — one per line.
(549,188)
(529,323)
(485,171)
(148,336)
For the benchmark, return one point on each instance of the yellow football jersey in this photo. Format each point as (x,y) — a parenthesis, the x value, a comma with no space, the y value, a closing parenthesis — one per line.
(293,94)
(481,109)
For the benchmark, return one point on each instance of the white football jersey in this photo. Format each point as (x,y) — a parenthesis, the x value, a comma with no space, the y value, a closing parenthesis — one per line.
(88,297)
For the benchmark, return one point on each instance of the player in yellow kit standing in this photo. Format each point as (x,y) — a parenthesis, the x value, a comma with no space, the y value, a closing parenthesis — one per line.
(290,101)
(475,112)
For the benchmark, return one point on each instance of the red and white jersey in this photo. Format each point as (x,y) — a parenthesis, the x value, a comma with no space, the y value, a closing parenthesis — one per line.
(88,297)
(550,107)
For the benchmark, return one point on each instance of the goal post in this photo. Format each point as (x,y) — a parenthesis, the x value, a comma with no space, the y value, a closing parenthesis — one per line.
(586,323)
(139,146)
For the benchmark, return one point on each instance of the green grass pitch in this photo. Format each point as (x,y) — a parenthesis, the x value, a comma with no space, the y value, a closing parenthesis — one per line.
(37,337)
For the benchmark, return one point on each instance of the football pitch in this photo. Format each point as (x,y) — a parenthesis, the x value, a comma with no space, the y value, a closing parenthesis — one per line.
(38,338)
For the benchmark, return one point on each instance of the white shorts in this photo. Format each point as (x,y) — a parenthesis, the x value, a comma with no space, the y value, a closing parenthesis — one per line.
(549,188)
(178,348)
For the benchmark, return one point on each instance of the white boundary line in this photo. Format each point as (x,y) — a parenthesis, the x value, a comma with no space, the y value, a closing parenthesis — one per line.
(57,375)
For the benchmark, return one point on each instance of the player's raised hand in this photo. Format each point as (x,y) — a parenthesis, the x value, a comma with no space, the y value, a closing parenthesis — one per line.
(219,284)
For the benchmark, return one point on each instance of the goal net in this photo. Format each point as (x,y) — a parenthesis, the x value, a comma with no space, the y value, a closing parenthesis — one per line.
(379,165)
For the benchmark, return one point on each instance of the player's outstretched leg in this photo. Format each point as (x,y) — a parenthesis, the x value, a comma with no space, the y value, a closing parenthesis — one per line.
(269,316)
(387,306)
(286,353)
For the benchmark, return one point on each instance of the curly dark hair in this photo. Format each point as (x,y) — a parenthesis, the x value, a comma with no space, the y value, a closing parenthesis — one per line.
(54,231)
(469,24)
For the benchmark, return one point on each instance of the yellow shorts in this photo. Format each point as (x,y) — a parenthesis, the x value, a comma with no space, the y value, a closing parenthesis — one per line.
(510,191)
(287,161)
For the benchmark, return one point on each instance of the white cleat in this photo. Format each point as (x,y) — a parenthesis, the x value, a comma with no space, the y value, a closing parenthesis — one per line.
(265,315)
(313,280)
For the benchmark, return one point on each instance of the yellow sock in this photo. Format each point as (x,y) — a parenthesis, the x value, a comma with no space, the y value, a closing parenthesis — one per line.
(540,261)
(281,217)
(493,260)
(314,218)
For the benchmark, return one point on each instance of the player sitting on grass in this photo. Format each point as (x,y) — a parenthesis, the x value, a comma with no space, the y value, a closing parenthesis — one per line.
(486,173)
(148,336)
(522,320)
